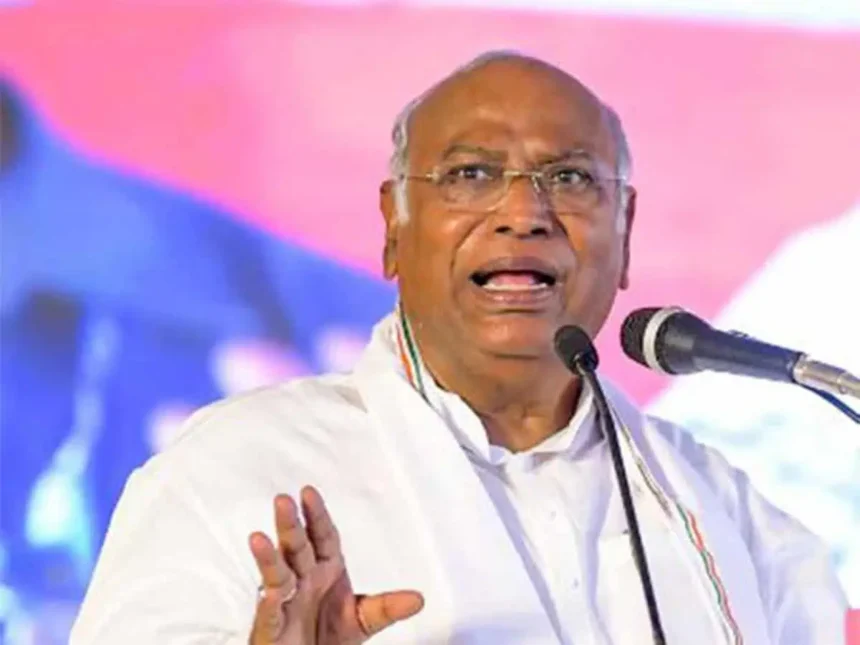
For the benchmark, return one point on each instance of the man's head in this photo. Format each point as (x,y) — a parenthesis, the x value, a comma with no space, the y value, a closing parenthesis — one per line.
(489,260)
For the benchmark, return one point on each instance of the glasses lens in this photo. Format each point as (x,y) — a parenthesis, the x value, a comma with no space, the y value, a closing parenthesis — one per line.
(482,187)
(473,186)
(571,187)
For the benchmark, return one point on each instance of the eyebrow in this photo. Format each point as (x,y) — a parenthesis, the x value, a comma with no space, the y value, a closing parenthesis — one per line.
(566,155)
(460,148)
(501,155)
(599,164)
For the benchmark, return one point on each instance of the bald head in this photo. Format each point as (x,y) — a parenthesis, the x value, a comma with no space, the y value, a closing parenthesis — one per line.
(508,160)
(500,79)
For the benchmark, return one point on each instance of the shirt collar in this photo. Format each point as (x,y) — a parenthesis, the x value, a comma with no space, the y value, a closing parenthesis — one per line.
(577,437)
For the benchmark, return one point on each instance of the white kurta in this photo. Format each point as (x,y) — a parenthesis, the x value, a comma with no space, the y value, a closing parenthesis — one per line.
(414,511)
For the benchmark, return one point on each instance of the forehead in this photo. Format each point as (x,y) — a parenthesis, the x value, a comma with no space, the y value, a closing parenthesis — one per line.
(512,106)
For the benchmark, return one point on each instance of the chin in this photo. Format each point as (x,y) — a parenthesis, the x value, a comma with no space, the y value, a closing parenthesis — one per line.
(517,337)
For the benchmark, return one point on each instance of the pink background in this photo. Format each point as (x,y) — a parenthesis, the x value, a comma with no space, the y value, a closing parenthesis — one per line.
(741,136)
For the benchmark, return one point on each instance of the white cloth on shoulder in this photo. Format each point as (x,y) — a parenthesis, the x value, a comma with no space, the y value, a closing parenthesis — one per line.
(414,512)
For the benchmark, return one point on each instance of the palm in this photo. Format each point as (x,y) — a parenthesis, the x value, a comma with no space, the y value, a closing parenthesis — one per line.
(307,595)
(338,614)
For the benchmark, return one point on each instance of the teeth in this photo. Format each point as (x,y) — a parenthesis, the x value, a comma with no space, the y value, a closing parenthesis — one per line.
(516,287)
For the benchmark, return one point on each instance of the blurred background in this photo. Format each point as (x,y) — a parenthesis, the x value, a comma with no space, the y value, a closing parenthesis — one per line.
(188,209)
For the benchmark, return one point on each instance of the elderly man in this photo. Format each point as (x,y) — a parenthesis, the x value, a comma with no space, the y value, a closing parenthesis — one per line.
(469,496)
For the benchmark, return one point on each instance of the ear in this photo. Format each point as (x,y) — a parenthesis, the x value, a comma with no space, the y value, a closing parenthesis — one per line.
(392,226)
(629,215)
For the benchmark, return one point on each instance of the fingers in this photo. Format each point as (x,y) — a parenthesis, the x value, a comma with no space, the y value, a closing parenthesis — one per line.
(307,564)
(279,586)
(276,574)
(321,529)
(294,543)
(375,613)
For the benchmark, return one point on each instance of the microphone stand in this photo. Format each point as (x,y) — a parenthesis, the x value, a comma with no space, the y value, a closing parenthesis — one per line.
(585,365)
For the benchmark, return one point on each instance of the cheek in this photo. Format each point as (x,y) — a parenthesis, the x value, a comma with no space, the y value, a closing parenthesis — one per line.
(448,234)
(599,254)
(432,248)
(597,240)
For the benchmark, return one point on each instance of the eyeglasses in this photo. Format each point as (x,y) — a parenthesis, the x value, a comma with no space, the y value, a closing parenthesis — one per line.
(482,187)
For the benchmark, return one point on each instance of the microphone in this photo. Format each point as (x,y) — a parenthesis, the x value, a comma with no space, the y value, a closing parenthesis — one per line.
(575,349)
(673,341)
(577,352)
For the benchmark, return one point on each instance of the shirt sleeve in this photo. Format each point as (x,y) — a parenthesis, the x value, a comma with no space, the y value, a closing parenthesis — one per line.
(164,576)
(803,599)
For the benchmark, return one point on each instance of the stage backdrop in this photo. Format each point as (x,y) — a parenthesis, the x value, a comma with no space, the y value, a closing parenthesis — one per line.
(189,210)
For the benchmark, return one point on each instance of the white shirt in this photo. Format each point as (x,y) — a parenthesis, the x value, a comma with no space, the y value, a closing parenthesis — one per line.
(414,513)
(553,501)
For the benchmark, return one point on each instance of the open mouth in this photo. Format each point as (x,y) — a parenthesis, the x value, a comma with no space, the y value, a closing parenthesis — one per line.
(516,274)
(513,280)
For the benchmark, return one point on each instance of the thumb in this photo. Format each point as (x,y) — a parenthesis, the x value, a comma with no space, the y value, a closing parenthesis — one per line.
(375,613)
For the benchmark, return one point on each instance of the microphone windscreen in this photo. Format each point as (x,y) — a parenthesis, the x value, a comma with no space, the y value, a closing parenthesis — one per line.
(575,348)
(633,333)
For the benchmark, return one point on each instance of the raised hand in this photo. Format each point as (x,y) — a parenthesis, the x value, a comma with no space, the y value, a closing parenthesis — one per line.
(306,597)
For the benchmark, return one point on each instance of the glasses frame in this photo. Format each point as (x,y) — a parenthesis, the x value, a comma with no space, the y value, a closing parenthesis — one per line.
(538,179)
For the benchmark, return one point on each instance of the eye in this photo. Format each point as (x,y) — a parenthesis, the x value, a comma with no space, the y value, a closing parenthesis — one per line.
(471,173)
(571,176)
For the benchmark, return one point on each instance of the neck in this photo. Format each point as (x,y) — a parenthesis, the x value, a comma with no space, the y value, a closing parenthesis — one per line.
(521,401)
(518,412)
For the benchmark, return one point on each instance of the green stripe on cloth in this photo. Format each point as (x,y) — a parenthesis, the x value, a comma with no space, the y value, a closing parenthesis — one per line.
(711,570)
(412,353)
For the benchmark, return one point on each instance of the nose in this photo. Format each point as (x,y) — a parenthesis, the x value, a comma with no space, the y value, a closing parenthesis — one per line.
(526,211)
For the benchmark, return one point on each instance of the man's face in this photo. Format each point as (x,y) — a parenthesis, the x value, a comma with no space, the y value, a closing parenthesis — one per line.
(503,280)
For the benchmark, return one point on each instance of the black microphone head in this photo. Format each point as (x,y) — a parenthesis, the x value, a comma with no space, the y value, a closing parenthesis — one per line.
(663,338)
(633,333)
(575,349)
(674,341)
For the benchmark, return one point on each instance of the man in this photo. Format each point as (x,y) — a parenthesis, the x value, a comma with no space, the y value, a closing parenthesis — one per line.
(467,489)
(123,304)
